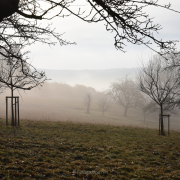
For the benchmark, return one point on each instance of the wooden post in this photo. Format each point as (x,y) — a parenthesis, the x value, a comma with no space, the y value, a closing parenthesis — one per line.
(168,126)
(168,123)
(18,111)
(6,111)
(159,124)
(15,111)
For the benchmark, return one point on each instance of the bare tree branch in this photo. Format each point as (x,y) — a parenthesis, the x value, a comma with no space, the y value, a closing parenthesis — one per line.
(128,19)
(17,73)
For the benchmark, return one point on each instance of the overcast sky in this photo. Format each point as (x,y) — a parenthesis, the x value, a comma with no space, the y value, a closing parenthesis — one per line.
(95,46)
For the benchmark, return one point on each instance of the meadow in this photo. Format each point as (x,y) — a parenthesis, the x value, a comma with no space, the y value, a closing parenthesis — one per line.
(66,150)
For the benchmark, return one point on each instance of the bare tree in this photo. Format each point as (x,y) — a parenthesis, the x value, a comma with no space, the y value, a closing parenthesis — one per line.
(125,94)
(18,74)
(160,84)
(88,101)
(104,103)
(128,19)
(88,98)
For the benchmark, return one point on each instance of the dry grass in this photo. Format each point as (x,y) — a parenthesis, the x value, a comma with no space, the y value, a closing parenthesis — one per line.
(59,150)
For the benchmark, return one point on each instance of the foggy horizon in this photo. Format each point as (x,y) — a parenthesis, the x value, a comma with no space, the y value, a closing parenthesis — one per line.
(99,79)
(88,69)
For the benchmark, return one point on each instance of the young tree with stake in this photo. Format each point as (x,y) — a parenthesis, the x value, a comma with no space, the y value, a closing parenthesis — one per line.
(160,84)
(18,74)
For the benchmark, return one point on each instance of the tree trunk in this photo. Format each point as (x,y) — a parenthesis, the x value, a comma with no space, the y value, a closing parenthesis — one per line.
(103,113)
(125,112)
(144,118)
(12,109)
(88,108)
(162,123)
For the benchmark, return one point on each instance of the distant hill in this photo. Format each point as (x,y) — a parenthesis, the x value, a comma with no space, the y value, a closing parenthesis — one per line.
(98,79)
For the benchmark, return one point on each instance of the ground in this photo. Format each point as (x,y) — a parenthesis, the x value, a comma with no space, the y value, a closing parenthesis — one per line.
(64,150)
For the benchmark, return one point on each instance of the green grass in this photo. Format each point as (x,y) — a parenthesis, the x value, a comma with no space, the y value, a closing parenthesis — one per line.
(56,150)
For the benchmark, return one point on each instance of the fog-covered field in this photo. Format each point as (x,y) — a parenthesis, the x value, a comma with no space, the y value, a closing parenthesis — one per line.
(62,102)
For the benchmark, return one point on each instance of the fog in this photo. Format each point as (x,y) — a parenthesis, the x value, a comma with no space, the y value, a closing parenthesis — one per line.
(98,79)
(62,102)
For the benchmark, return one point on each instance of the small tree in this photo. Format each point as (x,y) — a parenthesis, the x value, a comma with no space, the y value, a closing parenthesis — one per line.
(160,84)
(125,94)
(16,73)
(87,101)
(88,98)
(104,103)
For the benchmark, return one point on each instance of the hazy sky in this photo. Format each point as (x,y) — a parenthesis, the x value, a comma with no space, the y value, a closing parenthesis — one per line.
(95,46)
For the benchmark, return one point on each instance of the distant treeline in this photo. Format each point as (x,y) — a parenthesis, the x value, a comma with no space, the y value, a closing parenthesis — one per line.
(62,91)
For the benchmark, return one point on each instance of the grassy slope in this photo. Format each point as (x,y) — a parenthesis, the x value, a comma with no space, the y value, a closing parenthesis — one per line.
(56,150)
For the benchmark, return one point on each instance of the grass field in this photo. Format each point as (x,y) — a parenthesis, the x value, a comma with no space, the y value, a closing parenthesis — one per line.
(62,150)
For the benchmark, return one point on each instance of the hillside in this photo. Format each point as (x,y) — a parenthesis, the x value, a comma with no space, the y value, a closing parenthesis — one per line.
(62,102)
(74,151)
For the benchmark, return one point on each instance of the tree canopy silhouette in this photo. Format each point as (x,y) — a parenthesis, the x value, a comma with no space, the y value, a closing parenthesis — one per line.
(8,7)
(128,19)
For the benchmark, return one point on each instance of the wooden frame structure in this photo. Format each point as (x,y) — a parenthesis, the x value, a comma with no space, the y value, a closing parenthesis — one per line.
(15,109)
(168,123)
